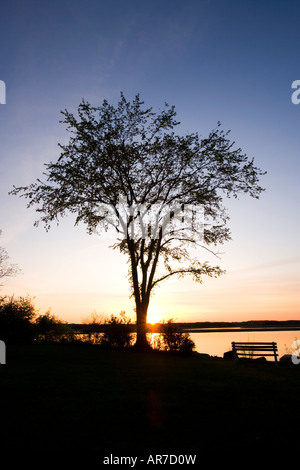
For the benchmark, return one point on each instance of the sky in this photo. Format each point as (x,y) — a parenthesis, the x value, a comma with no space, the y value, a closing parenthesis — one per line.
(232,61)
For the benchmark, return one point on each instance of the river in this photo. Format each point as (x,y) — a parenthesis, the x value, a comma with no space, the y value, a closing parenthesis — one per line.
(215,343)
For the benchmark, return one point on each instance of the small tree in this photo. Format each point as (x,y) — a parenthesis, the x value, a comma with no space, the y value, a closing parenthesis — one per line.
(93,329)
(16,319)
(124,167)
(117,332)
(174,339)
(6,269)
(50,328)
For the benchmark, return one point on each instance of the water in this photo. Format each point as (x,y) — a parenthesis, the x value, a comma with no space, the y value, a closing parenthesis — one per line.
(216,343)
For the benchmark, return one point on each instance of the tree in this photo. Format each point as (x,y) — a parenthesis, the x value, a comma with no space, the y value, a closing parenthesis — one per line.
(173,338)
(50,328)
(124,167)
(6,269)
(117,332)
(16,319)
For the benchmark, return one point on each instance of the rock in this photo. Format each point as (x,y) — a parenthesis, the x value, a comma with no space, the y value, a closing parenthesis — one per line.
(228,355)
(287,358)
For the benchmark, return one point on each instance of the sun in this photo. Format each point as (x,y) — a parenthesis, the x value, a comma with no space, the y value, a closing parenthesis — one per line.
(154,315)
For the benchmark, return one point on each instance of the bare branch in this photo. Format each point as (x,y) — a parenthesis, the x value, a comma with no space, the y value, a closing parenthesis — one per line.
(7,269)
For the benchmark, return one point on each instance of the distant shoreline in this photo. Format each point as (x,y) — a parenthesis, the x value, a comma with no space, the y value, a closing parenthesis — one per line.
(251,325)
(220,330)
(211,327)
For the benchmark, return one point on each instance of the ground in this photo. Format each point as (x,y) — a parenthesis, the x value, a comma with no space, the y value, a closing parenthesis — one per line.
(60,401)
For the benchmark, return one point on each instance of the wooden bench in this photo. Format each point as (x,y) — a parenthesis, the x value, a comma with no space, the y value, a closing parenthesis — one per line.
(254,349)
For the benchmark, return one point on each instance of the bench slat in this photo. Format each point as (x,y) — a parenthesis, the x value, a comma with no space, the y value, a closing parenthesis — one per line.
(250,353)
(258,348)
(254,345)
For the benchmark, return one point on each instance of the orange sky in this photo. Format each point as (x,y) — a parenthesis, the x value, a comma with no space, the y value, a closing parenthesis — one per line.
(78,274)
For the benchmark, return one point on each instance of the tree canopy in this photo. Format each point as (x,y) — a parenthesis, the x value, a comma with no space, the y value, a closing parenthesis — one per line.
(125,167)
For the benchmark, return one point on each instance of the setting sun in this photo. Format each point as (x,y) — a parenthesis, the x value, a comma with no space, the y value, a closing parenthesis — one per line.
(154,315)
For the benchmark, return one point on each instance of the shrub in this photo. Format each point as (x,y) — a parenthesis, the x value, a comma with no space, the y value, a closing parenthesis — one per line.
(117,332)
(51,329)
(16,319)
(93,329)
(174,339)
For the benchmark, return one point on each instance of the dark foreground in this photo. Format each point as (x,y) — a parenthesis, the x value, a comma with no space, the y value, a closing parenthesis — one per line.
(65,403)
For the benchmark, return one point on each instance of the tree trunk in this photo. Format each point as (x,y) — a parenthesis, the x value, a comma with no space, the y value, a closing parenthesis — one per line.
(141,328)
(142,298)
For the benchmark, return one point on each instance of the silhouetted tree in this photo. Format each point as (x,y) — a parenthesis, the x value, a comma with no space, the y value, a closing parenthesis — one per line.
(125,167)
(117,332)
(173,338)
(50,328)
(6,269)
(16,319)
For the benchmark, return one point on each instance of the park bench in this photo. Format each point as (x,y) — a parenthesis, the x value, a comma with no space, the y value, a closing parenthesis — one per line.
(254,349)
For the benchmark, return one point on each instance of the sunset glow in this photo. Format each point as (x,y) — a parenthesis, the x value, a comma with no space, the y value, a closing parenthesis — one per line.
(155,315)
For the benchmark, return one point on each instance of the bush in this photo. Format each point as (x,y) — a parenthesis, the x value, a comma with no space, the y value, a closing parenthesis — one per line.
(49,328)
(172,338)
(117,332)
(93,330)
(16,319)
(19,323)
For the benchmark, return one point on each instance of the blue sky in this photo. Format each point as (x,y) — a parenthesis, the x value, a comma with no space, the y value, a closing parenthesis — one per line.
(227,61)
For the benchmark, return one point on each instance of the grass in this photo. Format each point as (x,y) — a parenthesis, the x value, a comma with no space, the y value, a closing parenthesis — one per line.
(81,401)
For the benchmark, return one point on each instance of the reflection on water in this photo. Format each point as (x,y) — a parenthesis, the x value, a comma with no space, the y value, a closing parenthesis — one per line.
(215,344)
